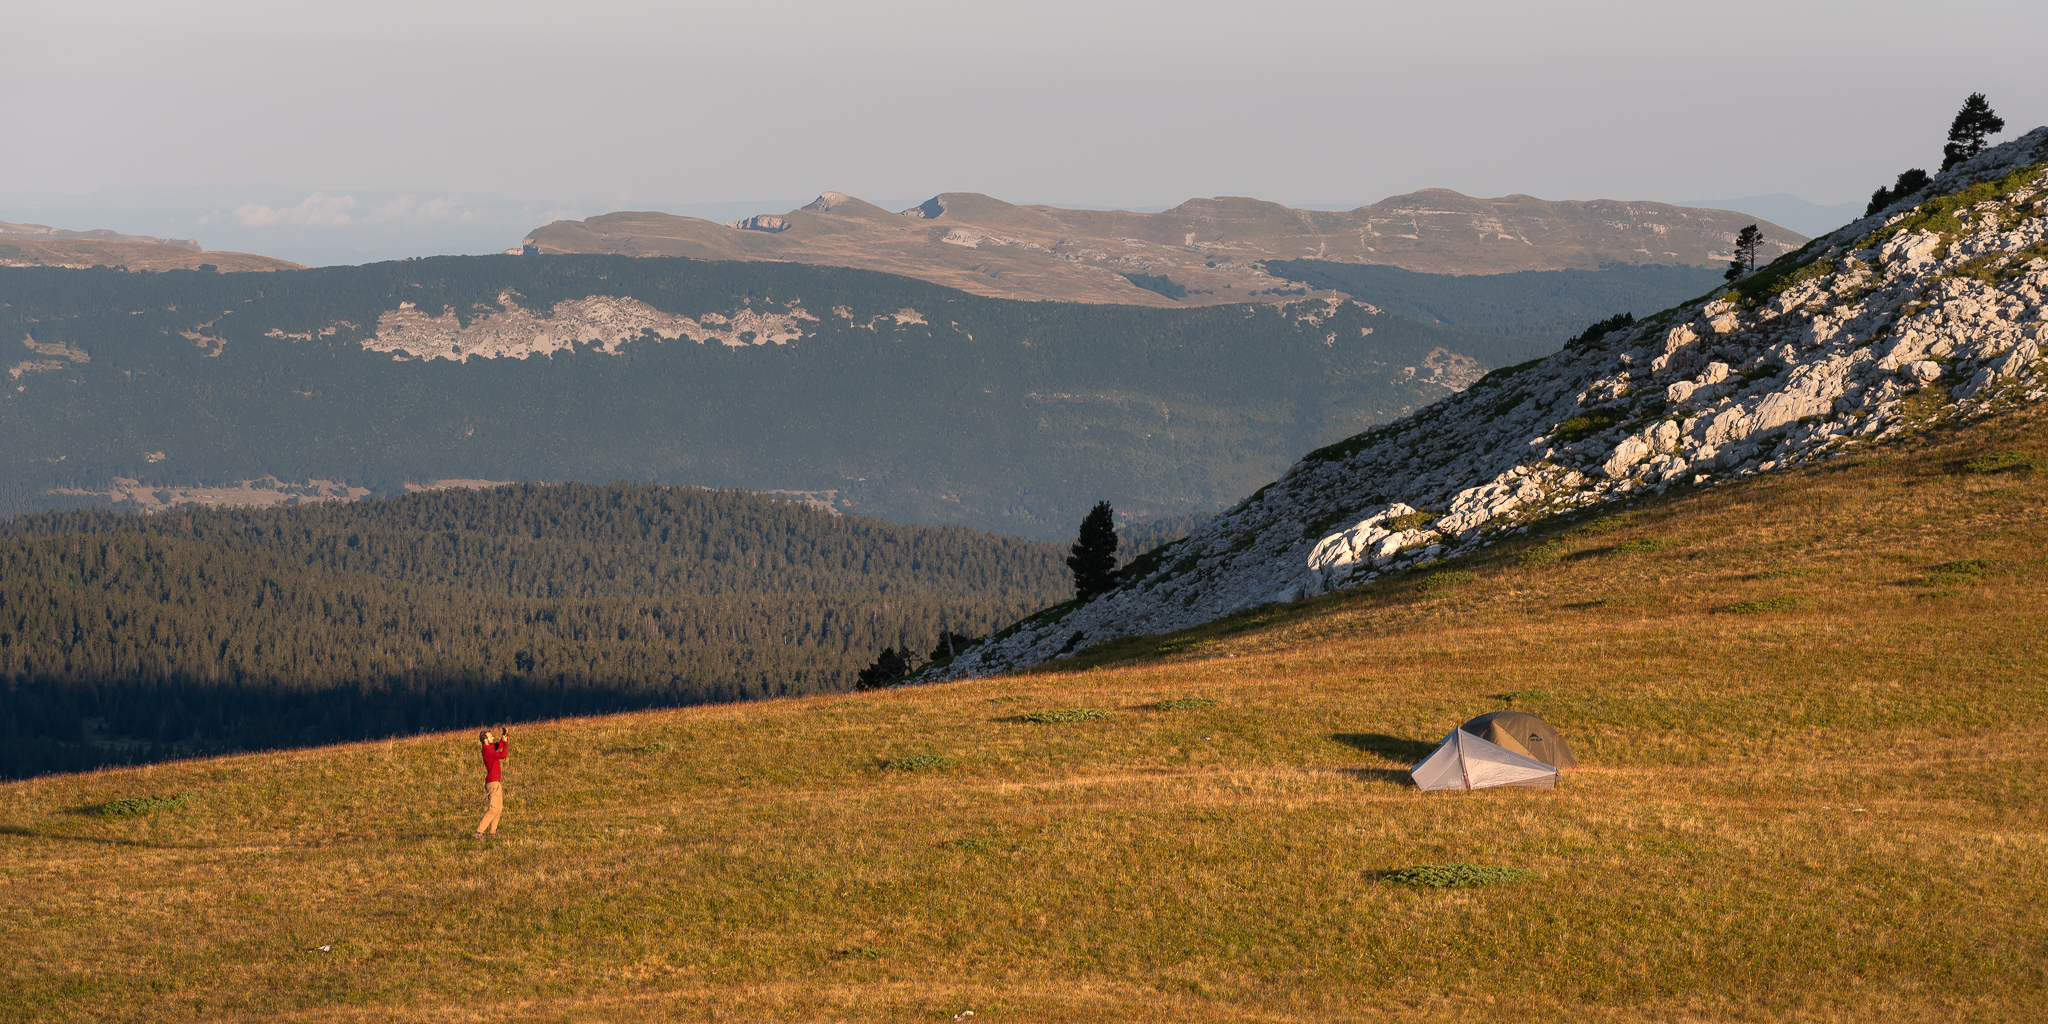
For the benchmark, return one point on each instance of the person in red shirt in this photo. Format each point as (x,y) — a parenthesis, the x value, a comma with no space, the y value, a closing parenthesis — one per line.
(497,749)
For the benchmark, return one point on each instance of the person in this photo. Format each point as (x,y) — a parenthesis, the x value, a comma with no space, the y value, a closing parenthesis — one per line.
(497,748)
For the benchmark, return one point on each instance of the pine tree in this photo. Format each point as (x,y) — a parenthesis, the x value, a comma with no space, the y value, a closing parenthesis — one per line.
(1968,132)
(1094,557)
(1910,181)
(1745,253)
(889,666)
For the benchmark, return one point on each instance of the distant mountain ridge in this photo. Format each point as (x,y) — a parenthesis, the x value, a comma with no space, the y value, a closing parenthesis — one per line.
(1202,252)
(39,245)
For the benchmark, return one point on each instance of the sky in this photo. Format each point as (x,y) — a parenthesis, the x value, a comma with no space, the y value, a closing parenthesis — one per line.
(395,117)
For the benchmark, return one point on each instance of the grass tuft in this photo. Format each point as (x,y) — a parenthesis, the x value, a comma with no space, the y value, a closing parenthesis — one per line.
(919,763)
(1765,604)
(971,844)
(1184,704)
(1456,876)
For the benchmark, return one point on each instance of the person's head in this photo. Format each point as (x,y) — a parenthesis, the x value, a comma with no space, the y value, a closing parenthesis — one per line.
(487,736)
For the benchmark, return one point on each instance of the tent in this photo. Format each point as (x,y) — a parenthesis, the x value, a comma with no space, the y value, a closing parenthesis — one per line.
(1464,761)
(1525,734)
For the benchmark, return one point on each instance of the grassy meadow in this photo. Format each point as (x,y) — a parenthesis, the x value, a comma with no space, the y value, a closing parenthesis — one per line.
(1811,710)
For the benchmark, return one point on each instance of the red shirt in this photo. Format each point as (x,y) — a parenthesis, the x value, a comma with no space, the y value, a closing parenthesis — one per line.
(494,757)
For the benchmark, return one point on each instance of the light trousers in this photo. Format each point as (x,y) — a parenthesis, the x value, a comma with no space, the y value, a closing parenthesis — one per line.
(494,798)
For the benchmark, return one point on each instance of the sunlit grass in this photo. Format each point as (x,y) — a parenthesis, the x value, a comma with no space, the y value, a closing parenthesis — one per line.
(1830,808)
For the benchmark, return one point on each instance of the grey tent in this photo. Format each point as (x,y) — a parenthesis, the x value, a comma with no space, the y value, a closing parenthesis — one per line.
(1524,734)
(1465,761)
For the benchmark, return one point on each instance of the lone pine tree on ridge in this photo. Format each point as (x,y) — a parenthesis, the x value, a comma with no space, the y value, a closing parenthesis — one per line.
(1094,557)
(1745,252)
(1970,132)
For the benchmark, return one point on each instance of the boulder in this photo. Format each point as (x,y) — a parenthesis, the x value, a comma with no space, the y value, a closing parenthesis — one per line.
(1626,454)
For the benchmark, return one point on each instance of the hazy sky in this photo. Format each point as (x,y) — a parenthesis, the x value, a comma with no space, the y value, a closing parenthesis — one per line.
(1097,102)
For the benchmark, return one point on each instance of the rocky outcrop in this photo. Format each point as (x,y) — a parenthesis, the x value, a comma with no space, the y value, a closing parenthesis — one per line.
(603,321)
(1921,312)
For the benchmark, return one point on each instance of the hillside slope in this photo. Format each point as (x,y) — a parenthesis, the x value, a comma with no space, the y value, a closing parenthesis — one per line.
(1202,252)
(1808,705)
(38,245)
(884,395)
(1926,313)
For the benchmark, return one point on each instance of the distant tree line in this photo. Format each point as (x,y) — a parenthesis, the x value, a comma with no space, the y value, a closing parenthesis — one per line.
(129,638)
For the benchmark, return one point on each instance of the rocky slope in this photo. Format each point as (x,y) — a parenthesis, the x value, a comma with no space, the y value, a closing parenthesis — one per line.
(1203,252)
(1929,311)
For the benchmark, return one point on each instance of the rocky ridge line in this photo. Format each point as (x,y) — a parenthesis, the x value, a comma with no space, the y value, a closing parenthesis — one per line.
(1931,309)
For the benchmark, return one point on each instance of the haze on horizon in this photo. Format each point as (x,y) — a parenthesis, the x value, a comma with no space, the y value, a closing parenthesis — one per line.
(418,121)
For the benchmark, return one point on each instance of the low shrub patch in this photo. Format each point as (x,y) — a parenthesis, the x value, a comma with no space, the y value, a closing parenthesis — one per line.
(1960,573)
(1185,704)
(1053,716)
(1456,876)
(1999,462)
(1412,521)
(1765,604)
(1781,574)
(136,806)
(918,763)
(1444,580)
(1010,698)
(1547,553)
(1582,426)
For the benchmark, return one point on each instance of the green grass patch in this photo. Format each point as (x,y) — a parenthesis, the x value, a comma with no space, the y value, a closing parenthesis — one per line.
(1965,572)
(1185,704)
(1782,574)
(1643,547)
(1444,581)
(1547,553)
(1011,698)
(1999,462)
(971,844)
(1765,604)
(1456,876)
(1056,716)
(1607,524)
(137,806)
(919,763)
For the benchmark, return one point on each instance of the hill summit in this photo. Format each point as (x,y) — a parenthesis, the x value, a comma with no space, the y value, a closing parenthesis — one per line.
(1927,311)
(1202,252)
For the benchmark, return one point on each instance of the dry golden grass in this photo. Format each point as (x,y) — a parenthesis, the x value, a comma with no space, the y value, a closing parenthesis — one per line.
(1831,811)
